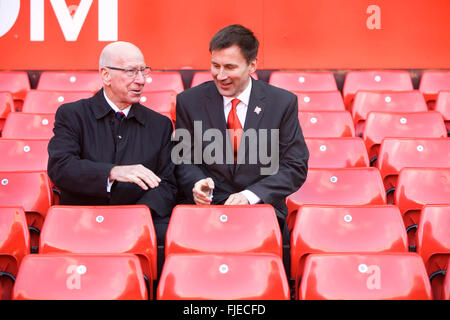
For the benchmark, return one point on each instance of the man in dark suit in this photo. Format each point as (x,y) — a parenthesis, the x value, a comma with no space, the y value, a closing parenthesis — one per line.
(263,121)
(111,150)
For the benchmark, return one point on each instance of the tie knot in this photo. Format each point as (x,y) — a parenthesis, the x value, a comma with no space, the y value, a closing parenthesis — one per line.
(234,103)
(120,115)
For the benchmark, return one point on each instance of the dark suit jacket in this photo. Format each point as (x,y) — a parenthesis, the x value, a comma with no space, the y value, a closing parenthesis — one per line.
(83,152)
(278,110)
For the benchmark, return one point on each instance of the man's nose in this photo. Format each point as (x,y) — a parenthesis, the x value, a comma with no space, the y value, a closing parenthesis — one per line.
(221,75)
(140,78)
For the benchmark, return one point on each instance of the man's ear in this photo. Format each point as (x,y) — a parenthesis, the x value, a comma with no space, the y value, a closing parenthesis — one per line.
(253,65)
(106,76)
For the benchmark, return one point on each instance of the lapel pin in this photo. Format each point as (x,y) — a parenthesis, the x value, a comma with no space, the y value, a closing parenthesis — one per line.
(257,110)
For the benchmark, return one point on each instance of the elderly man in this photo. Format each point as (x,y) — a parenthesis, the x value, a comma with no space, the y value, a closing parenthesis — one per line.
(111,150)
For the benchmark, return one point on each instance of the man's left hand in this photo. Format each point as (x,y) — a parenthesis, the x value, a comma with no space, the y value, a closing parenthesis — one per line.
(236,199)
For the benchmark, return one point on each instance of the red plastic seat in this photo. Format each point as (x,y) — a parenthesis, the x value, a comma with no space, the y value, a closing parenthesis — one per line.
(163,81)
(161,101)
(29,126)
(23,155)
(80,277)
(224,229)
(385,101)
(398,153)
(326,124)
(331,229)
(380,125)
(6,107)
(431,83)
(417,187)
(223,277)
(446,286)
(41,101)
(337,153)
(443,107)
(17,83)
(200,77)
(70,81)
(14,246)
(337,186)
(374,80)
(369,276)
(303,80)
(101,229)
(320,101)
(433,242)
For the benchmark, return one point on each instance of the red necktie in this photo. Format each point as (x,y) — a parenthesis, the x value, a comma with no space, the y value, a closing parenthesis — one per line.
(234,124)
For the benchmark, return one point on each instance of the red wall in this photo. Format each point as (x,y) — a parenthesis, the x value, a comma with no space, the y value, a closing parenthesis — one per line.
(294,34)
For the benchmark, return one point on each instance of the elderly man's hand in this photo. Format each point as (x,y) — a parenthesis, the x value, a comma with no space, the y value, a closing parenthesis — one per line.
(236,198)
(136,173)
(202,191)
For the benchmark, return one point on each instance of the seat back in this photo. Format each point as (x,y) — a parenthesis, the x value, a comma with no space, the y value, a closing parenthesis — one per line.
(43,101)
(23,155)
(303,81)
(16,83)
(29,126)
(224,229)
(443,107)
(431,82)
(160,101)
(325,124)
(70,81)
(163,81)
(320,101)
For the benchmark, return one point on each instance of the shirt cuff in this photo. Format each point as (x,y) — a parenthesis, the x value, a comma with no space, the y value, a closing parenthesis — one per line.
(108,185)
(251,197)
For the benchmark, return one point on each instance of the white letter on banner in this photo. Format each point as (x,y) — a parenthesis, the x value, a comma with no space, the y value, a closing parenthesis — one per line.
(71,26)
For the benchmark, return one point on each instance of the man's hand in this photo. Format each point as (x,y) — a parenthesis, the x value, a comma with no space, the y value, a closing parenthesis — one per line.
(136,173)
(202,191)
(236,198)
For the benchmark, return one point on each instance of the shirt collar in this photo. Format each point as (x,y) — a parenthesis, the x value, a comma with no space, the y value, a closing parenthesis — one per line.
(244,96)
(114,107)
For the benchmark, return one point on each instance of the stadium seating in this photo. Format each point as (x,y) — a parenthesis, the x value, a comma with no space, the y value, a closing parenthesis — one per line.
(398,153)
(101,229)
(223,229)
(431,82)
(164,80)
(80,277)
(202,76)
(331,229)
(336,153)
(161,101)
(443,107)
(303,81)
(6,107)
(385,101)
(320,101)
(42,101)
(417,187)
(326,124)
(14,246)
(369,276)
(28,126)
(337,186)
(433,243)
(380,125)
(23,155)
(446,289)
(223,277)
(17,83)
(374,80)
(70,81)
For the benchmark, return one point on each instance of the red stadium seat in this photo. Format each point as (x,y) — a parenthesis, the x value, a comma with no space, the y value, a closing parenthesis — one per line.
(29,126)
(446,289)
(14,246)
(326,124)
(6,107)
(303,81)
(320,101)
(331,229)
(70,81)
(223,277)
(101,229)
(431,82)
(369,276)
(80,277)
(380,125)
(160,101)
(385,101)
(417,187)
(398,153)
(17,83)
(163,81)
(374,80)
(203,76)
(433,242)
(337,186)
(443,107)
(23,155)
(224,229)
(336,153)
(41,101)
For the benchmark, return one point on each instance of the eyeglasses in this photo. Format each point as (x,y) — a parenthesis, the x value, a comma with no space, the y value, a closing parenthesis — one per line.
(132,73)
